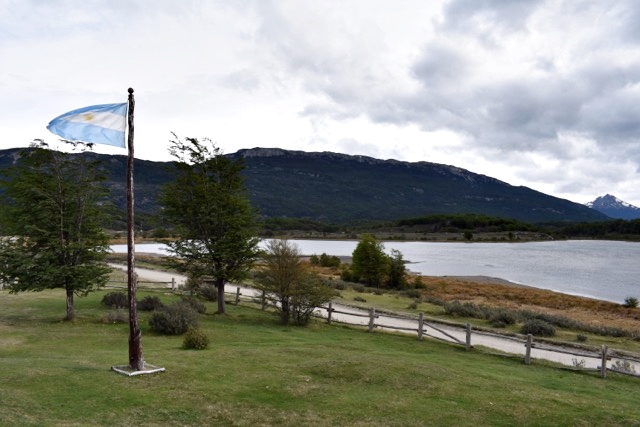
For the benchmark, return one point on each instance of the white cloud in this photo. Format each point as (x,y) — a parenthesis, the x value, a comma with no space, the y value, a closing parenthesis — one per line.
(537,93)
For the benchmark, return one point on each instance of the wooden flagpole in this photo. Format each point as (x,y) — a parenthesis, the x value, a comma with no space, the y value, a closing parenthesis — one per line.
(136,362)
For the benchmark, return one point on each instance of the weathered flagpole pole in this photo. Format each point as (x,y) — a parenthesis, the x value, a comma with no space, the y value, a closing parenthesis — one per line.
(136,361)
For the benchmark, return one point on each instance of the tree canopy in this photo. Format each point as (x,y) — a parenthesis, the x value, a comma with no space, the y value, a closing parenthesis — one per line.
(207,205)
(52,221)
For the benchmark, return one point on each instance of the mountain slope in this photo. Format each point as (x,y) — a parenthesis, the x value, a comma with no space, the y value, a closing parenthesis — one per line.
(614,207)
(339,188)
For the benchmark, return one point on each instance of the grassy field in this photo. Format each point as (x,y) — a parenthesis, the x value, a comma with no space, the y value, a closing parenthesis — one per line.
(256,372)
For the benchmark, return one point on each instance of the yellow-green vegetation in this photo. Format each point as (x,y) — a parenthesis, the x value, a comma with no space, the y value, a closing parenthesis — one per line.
(258,372)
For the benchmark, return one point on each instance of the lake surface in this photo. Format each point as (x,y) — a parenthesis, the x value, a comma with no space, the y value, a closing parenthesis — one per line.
(605,270)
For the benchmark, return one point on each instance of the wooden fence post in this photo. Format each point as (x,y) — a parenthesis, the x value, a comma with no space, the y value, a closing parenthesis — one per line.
(329,311)
(468,342)
(237,295)
(603,366)
(372,316)
(420,326)
(173,283)
(263,299)
(527,356)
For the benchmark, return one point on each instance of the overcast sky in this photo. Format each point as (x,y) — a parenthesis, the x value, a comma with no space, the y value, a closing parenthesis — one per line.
(544,94)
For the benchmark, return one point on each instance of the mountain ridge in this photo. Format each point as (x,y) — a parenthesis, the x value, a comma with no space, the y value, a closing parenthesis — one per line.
(341,188)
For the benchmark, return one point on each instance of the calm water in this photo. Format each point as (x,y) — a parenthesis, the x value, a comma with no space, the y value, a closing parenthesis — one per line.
(599,269)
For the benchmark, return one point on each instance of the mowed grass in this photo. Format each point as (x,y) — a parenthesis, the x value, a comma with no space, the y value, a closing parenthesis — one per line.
(257,372)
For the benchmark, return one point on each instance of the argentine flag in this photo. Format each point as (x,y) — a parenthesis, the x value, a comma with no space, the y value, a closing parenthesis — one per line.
(99,124)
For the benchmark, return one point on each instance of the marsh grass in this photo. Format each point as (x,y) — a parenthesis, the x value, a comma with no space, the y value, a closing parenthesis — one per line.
(257,372)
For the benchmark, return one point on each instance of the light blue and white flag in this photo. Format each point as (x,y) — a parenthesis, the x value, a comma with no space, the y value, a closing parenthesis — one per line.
(99,124)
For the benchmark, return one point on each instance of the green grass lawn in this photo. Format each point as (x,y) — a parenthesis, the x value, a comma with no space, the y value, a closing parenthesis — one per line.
(257,372)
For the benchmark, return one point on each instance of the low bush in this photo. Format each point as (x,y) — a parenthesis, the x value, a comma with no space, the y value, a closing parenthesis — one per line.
(195,339)
(149,303)
(413,293)
(339,285)
(359,287)
(538,328)
(115,300)
(197,306)
(631,302)
(502,318)
(359,299)
(175,319)
(466,309)
(209,292)
(117,315)
(581,338)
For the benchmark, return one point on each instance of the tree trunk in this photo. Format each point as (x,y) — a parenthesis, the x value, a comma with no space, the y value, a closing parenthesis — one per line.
(220,287)
(70,312)
(285,310)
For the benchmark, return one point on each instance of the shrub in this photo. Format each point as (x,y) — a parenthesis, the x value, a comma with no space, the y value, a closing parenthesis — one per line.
(115,300)
(339,285)
(413,293)
(581,338)
(359,288)
(195,339)
(329,260)
(209,292)
(175,319)
(149,303)
(467,309)
(194,304)
(502,318)
(539,328)
(117,315)
(413,305)
(378,291)
(631,302)
(359,299)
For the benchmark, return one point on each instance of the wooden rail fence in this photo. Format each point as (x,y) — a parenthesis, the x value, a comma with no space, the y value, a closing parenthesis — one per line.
(624,361)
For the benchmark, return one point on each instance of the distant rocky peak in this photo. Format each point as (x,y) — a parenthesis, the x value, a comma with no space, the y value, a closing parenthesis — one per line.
(613,207)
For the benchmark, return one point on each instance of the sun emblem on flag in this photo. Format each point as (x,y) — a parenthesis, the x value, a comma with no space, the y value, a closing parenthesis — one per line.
(88,117)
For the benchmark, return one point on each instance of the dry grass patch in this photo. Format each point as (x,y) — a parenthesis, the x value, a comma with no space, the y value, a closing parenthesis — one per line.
(582,309)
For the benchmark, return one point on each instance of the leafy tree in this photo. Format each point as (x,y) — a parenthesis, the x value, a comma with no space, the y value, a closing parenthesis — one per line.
(288,285)
(212,215)
(53,223)
(369,262)
(397,274)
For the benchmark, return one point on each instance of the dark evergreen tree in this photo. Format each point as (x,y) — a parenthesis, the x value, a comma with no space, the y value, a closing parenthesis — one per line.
(52,222)
(369,262)
(208,206)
